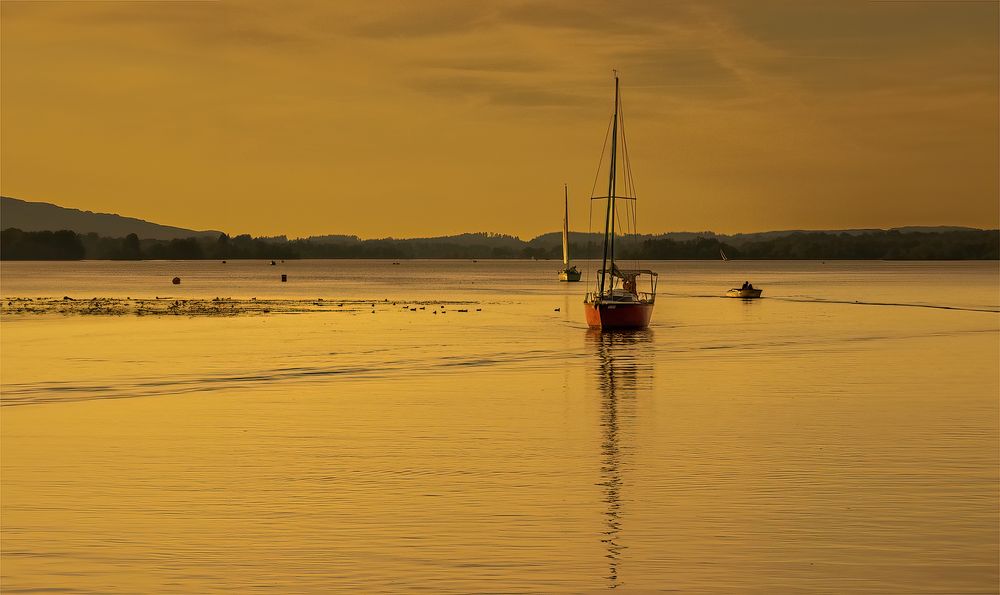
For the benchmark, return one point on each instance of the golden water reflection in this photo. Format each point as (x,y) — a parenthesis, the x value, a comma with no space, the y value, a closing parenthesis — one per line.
(802,446)
(624,369)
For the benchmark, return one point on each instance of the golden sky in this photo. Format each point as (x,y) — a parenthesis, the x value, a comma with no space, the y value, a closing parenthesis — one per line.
(426,118)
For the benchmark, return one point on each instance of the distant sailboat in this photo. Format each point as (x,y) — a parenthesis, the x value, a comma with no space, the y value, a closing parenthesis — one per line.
(568,273)
(723,253)
(617,302)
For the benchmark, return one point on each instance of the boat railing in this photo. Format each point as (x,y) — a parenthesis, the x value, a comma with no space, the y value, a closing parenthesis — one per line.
(642,297)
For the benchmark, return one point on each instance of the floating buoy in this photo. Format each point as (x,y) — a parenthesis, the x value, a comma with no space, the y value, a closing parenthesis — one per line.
(176,281)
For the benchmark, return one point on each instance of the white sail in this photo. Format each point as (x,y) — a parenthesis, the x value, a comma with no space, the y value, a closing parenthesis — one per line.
(566,229)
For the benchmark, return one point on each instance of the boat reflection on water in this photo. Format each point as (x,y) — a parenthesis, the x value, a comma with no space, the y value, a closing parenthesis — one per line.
(624,369)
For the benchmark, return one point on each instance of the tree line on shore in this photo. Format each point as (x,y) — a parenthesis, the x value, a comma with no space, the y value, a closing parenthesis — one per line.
(876,245)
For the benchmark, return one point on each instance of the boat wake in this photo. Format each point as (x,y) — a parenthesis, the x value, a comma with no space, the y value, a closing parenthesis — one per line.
(814,300)
(67,392)
(995,310)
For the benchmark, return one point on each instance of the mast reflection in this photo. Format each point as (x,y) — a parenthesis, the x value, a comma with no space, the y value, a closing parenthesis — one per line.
(623,369)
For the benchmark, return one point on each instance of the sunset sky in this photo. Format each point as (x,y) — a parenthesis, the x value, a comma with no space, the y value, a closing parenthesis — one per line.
(427,118)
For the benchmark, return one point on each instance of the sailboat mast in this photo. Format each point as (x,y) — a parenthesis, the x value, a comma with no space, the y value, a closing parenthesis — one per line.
(609,219)
(566,227)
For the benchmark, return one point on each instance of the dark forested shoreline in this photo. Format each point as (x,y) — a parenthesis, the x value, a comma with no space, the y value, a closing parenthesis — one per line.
(965,244)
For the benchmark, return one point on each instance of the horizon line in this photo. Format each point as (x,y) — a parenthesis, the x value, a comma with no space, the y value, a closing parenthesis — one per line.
(501,234)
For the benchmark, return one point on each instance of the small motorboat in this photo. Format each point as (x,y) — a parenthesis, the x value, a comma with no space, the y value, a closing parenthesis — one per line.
(746,293)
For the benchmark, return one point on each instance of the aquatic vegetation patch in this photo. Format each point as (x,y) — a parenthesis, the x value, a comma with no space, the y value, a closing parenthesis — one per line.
(219,306)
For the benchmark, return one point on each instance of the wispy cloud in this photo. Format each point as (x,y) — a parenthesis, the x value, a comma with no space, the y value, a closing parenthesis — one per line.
(743,110)
(495,91)
(416,20)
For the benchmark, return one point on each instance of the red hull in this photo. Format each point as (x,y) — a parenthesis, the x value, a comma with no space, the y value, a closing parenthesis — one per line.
(618,316)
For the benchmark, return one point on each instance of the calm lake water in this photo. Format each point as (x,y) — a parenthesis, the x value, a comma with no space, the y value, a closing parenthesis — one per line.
(840,435)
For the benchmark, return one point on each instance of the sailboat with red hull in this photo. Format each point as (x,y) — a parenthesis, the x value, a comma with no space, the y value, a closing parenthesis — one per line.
(623,298)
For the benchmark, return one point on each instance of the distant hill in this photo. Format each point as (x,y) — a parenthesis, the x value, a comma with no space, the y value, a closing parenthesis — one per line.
(42,216)
(335,239)
(39,216)
(552,239)
(481,238)
(742,238)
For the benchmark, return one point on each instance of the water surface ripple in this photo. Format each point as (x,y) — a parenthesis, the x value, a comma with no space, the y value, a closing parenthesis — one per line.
(794,444)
